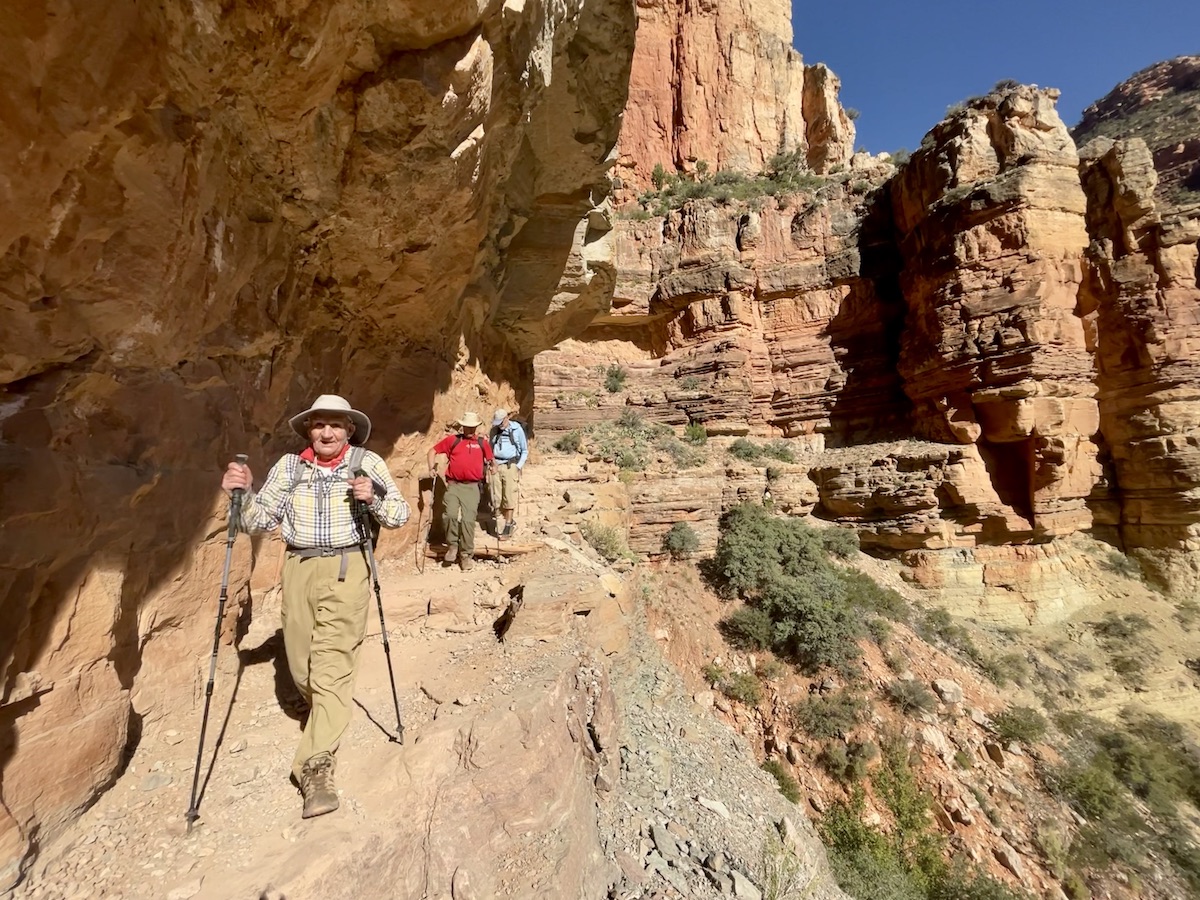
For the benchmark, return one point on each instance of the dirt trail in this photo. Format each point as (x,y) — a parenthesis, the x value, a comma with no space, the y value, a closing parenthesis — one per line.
(132,843)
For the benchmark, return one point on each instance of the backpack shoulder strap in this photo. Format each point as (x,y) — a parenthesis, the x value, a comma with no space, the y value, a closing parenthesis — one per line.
(356,457)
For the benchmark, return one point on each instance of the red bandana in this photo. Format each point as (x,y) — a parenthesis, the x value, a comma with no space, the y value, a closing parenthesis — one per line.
(309,455)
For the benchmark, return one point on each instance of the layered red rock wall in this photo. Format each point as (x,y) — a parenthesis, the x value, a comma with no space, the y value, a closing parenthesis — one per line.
(990,220)
(213,213)
(720,83)
(1142,290)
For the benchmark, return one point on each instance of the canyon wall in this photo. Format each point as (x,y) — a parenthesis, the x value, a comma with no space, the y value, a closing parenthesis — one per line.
(977,355)
(214,213)
(720,84)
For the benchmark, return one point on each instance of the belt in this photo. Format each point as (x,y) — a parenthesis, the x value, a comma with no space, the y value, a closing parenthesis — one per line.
(506,462)
(314,552)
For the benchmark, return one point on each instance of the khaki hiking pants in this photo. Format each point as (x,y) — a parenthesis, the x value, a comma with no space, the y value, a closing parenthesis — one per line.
(506,481)
(461,500)
(324,623)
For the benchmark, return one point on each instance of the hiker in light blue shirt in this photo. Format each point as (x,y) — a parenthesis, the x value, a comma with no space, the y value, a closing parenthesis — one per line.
(511,449)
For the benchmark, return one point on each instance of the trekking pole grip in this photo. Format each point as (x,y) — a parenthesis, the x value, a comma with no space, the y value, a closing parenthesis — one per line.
(235,501)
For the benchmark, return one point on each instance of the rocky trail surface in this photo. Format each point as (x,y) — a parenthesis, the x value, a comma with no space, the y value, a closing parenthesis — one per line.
(566,760)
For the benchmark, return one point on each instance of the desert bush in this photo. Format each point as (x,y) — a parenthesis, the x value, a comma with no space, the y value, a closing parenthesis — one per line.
(748,629)
(830,715)
(879,630)
(1019,723)
(1120,564)
(911,697)
(868,594)
(1120,627)
(695,433)
(841,542)
(614,378)
(740,686)
(681,541)
(1006,668)
(745,450)
(605,540)
(571,442)
(781,567)
(684,456)
(780,450)
(788,786)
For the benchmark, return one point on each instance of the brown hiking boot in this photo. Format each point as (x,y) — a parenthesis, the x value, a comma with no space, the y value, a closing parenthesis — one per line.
(316,783)
(466,563)
(451,554)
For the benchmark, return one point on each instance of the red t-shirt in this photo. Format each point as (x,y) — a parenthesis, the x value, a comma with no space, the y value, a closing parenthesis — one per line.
(466,462)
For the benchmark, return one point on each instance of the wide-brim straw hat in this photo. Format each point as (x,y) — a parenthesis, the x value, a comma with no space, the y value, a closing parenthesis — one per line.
(469,420)
(332,403)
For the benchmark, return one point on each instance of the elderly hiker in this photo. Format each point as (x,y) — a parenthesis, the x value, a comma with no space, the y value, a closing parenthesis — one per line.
(317,500)
(468,457)
(511,450)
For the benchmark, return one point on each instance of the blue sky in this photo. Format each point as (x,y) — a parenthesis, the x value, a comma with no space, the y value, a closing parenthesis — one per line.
(902,64)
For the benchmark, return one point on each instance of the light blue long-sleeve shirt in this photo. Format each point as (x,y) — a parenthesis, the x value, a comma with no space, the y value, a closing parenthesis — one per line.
(509,443)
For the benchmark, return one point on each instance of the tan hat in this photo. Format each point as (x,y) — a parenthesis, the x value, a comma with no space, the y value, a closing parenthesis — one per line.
(499,416)
(332,403)
(469,420)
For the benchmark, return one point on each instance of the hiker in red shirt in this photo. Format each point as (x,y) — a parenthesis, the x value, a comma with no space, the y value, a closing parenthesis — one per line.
(468,458)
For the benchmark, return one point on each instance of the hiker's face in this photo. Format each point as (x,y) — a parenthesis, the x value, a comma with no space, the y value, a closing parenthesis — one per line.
(329,434)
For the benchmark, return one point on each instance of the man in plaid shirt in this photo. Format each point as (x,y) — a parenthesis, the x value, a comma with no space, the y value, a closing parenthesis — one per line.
(315,499)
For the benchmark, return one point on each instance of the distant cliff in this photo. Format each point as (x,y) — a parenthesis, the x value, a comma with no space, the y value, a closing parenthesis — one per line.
(1160,105)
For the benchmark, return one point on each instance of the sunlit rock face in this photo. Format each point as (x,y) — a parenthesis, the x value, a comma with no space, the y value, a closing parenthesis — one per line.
(990,220)
(720,84)
(1141,289)
(213,213)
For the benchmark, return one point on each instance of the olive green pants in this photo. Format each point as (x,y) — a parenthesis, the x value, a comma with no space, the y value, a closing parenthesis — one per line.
(460,509)
(324,623)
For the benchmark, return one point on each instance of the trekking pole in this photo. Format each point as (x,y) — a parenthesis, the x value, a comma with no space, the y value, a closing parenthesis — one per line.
(383,632)
(235,514)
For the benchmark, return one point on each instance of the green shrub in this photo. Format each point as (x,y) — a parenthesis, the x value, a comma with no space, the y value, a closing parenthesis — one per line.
(681,541)
(829,716)
(695,433)
(605,540)
(683,455)
(690,383)
(658,177)
(1120,564)
(571,442)
(848,763)
(1019,723)
(614,378)
(781,567)
(1009,667)
(963,760)
(780,450)
(911,697)
(742,687)
(748,629)
(900,157)
(788,786)
(1188,614)
(879,630)
(1120,627)
(630,420)
(745,450)
(1091,788)
(868,594)
(841,542)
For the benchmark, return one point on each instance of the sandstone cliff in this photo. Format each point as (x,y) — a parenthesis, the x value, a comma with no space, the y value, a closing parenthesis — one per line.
(213,213)
(969,302)
(1160,105)
(720,83)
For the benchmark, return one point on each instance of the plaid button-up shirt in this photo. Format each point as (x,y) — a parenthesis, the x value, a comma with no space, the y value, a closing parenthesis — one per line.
(320,510)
